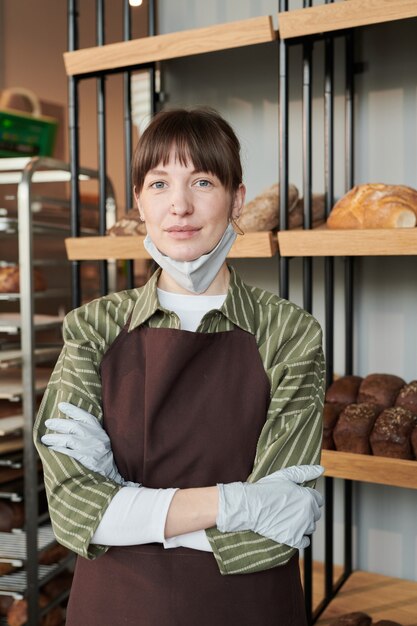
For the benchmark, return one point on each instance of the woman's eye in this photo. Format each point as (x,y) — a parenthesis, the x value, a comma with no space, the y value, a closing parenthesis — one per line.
(159,184)
(203,183)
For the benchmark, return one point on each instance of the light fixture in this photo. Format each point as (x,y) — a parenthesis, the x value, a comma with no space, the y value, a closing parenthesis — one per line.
(135,3)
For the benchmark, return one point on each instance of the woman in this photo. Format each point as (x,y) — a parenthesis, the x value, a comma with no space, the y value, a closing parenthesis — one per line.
(206,388)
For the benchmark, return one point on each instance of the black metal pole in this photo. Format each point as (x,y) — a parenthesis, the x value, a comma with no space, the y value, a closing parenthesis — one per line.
(102,148)
(329,293)
(127,109)
(72,10)
(307,166)
(283,154)
(349,182)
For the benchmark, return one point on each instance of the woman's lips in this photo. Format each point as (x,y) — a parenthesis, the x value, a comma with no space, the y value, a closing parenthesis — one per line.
(182,232)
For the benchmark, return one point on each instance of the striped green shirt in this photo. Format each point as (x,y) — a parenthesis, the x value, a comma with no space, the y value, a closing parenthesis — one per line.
(289,343)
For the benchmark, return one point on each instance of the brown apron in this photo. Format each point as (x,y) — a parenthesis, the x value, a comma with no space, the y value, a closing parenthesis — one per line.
(182,409)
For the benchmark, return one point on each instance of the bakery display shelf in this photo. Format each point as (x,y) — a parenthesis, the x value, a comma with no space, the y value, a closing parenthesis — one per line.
(9,226)
(11,322)
(381,597)
(11,445)
(58,292)
(13,545)
(370,469)
(117,56)
(11,385)
(323,241)
(250,245)
(342,15)
(13,358)
(9,425)
(15,584)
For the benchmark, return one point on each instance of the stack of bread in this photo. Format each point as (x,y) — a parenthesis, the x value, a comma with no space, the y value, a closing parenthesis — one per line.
(375,205)
(372,415)
(358,618)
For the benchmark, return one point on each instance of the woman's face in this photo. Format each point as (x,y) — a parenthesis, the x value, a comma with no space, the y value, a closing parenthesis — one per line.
(186,212)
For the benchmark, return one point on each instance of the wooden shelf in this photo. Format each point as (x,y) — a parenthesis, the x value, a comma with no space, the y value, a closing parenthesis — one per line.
(325,242)
(118,56)
(370,469)
(342,15)
(381,597)
(250,245)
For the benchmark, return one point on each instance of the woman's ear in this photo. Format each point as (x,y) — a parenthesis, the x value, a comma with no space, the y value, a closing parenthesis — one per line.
(238,200)
(138,205)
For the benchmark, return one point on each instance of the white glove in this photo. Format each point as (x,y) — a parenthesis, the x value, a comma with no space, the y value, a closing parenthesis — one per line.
(83,438)
(275,506)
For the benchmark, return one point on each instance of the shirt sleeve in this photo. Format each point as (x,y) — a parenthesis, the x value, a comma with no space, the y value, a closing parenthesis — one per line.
(292,434)
(77,497)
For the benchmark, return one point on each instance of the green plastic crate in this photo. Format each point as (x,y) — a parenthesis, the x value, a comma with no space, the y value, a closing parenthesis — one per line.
(22,134)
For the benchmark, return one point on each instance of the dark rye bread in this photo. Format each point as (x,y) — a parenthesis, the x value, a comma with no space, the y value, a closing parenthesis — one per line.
(355,423)
(391,434)
(344,390)
(407,398)
(331,412)
(414,441)
(380,389)
(357,618)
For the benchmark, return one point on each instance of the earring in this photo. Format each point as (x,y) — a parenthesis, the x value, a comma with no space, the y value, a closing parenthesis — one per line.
(236,226)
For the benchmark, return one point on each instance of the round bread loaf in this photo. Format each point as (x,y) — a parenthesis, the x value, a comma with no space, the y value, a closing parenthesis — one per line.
(380,389)
(331,412)
(391,434)
(262,213)
(53,554)
(351,433)
(375,205)
(128,224)
(344,390)
(9,280)
(17,615)
(407,397)
(386,622)
(357,618)
(12,515)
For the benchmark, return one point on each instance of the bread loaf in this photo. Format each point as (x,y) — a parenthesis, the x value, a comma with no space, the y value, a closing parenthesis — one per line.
(12,515)
(375,205)
(344,390)
(296,216)
(9,280)
(17,615)
(353,619)
(53,554)
(386,622)
(262,213)
(351,433)
(380,389)
(331,412)
(6,568)
(5,603)
(129,224)
(413,441)
(407,397)
(391,434)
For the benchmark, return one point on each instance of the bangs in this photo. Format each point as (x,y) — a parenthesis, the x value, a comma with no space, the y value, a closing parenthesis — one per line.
(197,138)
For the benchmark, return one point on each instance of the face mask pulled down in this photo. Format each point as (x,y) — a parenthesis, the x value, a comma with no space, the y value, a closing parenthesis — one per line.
(197,275)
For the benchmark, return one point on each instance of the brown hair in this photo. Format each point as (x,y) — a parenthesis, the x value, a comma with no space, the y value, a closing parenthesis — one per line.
(200,135)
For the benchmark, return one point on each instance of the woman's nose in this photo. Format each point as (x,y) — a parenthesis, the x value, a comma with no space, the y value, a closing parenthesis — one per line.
(181,203)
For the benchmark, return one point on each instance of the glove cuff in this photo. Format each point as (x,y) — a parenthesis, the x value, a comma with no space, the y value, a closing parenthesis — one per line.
(233,510)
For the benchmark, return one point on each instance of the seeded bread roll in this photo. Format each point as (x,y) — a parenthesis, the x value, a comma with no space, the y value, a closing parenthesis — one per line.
(262,213)
(331,414)
(391,434)
(414,441)
(375,205)
(353,619)
(344,390)
(407,398)
(128,224)
(380,389)
(351,433)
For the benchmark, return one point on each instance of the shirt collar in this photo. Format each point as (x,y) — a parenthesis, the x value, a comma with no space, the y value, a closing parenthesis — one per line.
(238,306)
